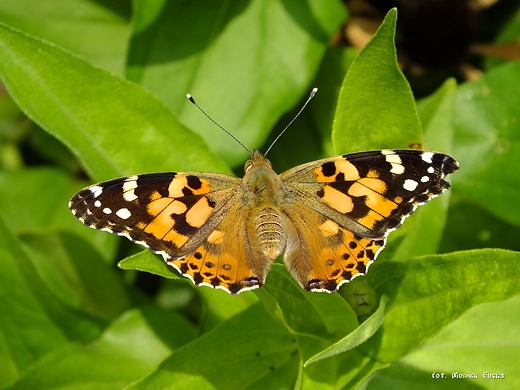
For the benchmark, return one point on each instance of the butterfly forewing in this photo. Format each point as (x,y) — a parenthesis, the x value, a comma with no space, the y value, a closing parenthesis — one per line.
(371,193)
(166,212)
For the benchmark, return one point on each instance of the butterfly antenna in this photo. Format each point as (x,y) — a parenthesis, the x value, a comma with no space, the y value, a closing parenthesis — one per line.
(313,92)
(190,98)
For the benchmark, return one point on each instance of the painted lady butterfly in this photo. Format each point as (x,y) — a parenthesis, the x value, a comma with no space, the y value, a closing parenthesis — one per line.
(330,218)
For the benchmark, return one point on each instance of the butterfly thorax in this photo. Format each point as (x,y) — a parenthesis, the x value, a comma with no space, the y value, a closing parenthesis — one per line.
(262,192)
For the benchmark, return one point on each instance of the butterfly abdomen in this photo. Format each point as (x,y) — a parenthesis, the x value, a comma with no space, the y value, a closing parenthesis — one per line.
(269,231)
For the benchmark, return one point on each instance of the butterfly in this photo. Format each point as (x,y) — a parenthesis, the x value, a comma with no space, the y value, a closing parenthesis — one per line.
(328,218)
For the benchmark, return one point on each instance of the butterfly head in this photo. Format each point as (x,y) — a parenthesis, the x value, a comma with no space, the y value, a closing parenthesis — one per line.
(257,159)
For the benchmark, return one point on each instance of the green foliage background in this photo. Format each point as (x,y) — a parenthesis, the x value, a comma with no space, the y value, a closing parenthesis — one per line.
(439,299)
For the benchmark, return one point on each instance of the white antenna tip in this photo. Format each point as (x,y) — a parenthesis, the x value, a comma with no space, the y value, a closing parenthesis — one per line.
(190,98)
(313,92)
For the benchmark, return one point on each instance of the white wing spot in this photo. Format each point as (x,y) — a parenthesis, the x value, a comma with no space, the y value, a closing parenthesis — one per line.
(106,210)
(129,186)
(410,185)
(431,169)
(123,213)
(97,203)
(427,157)
(96,191)
(397,169)
(395,161)
(393,158)
(425,179)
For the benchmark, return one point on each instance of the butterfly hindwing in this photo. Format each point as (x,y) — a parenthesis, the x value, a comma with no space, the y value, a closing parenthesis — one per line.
(226,258)
(323,258)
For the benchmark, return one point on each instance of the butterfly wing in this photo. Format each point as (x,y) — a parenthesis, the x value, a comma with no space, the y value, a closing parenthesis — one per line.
(324,257)
(227,259)
(354,201)
(195,221)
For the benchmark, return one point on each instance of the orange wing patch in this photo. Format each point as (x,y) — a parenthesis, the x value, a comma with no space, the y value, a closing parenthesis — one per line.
(325,258)
(341,264)
(225,260)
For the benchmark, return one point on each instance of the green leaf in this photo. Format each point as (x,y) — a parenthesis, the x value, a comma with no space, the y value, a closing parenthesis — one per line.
(355,338)
(344,371)
(430,292)
(487,142)
(482,340)
(76,274)
(26,330)
(131,348)
(437,116)
(303,312)
(95,30)
(75,324)
(219,305)
(115,126)
(249,350)
(148,262)
(333,68)
(281,44)
(469,226)
(311,131)
(49,212)
(376,109)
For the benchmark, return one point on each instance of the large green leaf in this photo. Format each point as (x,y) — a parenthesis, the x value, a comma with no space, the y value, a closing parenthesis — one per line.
(115,126)
(26,331)
(245,62)
(478,351)
(303,312)
(76,274)
(23,213)
(250,350)
(376,109)
(429,292)
(357,337)
(487,141)
(131,348)
(96,30)
(470,226)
